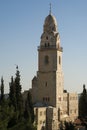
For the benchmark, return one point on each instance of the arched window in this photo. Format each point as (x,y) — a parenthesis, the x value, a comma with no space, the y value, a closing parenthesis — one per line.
(46,84)
(47,37)
(59,60)
(46,59)
(58,46)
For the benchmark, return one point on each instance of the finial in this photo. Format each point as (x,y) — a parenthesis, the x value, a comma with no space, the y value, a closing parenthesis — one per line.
(50,9)
(16,66)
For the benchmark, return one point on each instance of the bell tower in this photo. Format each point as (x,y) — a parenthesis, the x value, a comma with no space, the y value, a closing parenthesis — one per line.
(49,74)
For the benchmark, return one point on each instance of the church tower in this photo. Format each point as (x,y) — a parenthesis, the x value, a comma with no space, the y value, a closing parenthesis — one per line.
(51,103)
(48,85)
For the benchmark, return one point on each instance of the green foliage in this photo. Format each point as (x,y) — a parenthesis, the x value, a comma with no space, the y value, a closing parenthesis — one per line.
(18,90)
(69,126)
(28,111)
(13,114)
(5,114)
(23,126)
(2,90)
(12,93)
(66,125)
(30,106)
(83,103)
(15,95)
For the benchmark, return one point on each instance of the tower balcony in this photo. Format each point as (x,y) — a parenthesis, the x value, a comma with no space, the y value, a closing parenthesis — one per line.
(42,47)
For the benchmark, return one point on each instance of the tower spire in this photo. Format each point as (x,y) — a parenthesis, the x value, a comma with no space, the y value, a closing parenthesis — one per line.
(50,9)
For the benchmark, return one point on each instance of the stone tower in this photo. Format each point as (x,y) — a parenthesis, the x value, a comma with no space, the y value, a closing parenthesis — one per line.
(51,103)
(48,85)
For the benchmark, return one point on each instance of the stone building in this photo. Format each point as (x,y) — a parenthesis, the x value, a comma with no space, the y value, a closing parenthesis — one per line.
(52,103)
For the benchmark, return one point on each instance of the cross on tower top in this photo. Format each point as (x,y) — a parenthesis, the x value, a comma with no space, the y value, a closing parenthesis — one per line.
(50,9)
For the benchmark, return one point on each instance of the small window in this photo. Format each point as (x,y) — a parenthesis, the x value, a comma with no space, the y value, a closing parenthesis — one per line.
(46,59)
(41,113)
(45,45)
(46,84)
(47,37)
(59,60)
(40,122)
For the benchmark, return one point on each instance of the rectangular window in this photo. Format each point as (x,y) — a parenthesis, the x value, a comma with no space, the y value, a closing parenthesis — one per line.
(40,113)
(40,122)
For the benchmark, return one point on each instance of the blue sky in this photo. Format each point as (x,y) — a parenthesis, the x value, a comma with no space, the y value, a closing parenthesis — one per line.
(21,25)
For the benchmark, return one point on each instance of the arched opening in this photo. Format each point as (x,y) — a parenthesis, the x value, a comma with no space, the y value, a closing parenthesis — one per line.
(46,59)
(47,37)
(59,60)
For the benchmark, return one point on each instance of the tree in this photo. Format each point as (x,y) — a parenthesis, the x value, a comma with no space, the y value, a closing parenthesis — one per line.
(30,104)
(69,125)
(12,93)
(11,118)
(18,90)
(2,89)
(15,91)
(18,95)
(83,103)
(66,125)
(29,111)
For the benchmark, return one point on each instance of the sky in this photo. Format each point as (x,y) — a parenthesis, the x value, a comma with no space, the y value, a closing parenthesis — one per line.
(21,26)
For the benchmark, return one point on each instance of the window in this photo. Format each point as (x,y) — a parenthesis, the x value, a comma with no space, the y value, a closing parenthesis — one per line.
(40,122)
(46,59)
(59,60)
(58,46)
(46,99)
(45,45)
(47,37)
(46,84)
(41,113)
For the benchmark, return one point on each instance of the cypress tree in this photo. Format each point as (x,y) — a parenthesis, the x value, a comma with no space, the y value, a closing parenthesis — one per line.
(30,105)
(18,89)
(2,89)
(83,103)
(12,93)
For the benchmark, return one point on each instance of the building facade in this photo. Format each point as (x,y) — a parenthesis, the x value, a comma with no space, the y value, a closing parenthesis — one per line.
(48,94)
